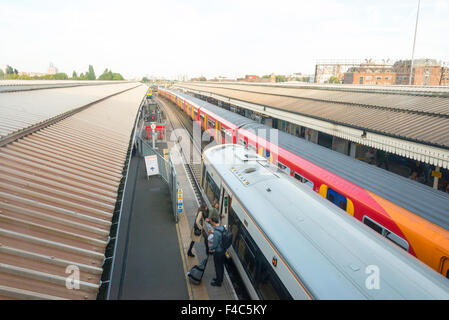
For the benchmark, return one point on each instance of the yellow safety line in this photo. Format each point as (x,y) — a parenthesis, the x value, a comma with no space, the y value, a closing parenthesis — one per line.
(184,264)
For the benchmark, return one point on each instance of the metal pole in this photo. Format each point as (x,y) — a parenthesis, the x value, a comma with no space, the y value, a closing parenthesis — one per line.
(435,179)
(154,139)
(413,50)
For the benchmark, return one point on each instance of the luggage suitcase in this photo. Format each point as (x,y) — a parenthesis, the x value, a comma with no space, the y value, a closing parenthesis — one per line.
(196,273)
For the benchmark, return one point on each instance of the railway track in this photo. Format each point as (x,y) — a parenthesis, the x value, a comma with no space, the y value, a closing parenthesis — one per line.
(193,169)
(194,174)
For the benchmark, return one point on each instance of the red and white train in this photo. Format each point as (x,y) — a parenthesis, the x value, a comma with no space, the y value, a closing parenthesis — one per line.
(413,216)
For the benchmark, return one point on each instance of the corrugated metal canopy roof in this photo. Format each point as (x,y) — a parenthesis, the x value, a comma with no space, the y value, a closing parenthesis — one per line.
(420,199)
(407,124)
(424,119)
(20,110)
(58,189)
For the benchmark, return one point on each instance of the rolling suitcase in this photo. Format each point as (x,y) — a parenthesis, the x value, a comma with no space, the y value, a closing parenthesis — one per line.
(196,273)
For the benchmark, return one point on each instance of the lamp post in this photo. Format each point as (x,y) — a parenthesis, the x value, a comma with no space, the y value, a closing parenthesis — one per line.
(414,41)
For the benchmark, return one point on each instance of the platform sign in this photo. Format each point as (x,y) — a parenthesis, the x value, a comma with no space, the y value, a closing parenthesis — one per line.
(180,204)
(436,174)
(151,165)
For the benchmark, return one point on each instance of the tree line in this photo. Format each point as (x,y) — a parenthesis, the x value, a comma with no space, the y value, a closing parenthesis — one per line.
(12,73)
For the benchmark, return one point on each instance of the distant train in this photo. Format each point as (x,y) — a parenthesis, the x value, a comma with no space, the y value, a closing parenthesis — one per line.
(290,243)
(150,94)
(411,215)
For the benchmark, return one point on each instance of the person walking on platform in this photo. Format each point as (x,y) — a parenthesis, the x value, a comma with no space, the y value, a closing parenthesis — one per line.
(217,250)
(198,229)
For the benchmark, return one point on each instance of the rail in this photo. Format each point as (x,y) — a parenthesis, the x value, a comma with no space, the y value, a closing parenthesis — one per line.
(193,175)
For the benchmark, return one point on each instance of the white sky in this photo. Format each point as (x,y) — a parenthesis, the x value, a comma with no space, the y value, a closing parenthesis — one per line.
(213,37)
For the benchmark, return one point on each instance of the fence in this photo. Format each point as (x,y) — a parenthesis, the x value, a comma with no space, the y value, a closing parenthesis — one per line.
(168,173)
(166,169)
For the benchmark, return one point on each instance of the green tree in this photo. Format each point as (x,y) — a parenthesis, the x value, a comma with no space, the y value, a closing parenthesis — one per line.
(280,78)
(61,76)
(117,76)
(11,76)
(74,75)
(106,75)
(91,73)
(109,75)
(333,79)
(2,74)
(145,79)
(9,70)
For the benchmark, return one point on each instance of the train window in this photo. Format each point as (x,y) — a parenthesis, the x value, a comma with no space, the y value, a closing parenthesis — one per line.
(212,190)
(304,180)
(396,239)
(203,174)
(246,253)
(233,223)
(393,237)
(265,281)
(373,225)
(223,135)
(336,198)
(283,167)
(269,285)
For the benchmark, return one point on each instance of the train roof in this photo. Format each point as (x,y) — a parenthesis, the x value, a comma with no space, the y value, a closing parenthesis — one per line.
(422,200)
(325,247)
(426,202)
(235,118)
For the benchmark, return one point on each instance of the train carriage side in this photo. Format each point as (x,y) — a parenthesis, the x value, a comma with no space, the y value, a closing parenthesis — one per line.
(426,238)
(267,250)
(212,119)
(412,233)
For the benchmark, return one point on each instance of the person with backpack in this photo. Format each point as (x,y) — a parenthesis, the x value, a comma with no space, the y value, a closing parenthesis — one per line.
(221,242)
(198,229)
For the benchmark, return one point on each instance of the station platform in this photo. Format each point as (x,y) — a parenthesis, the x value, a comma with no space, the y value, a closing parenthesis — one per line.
(151,261)
(204,291)
(148,264)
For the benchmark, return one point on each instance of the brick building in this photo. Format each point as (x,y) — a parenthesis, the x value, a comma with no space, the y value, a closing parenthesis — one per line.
(426,72)
(370,73)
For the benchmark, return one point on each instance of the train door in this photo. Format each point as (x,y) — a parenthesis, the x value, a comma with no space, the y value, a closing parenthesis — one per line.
(225,204)
(445,267)
(223,135)
(217,131)
(336,198)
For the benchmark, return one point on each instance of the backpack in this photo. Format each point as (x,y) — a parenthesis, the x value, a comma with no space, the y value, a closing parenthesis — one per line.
(226,239)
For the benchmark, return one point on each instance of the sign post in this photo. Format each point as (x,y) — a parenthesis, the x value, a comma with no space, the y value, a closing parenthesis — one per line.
(151,165)
(180,204)
(153,127)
